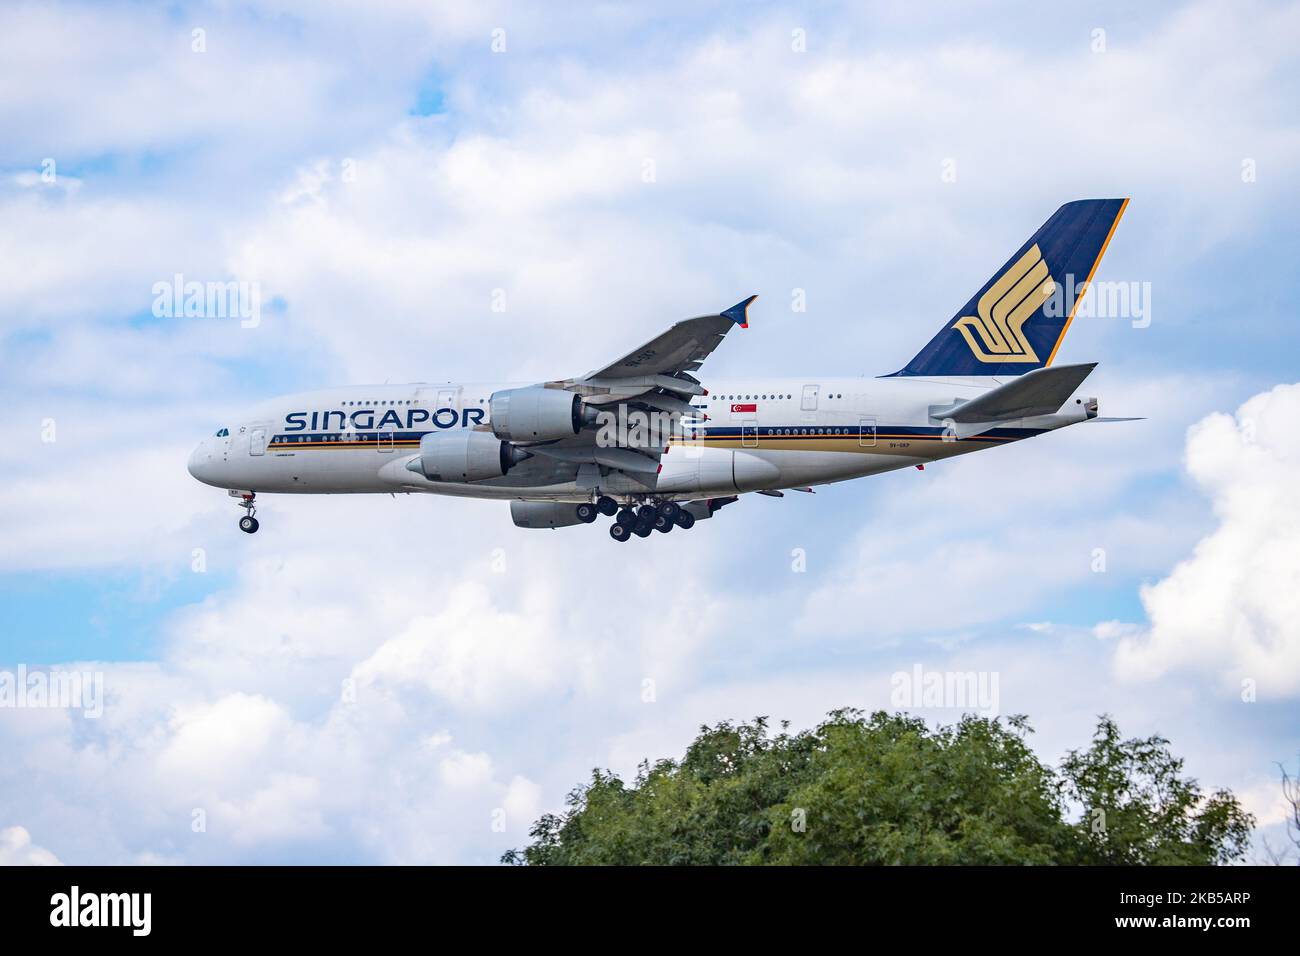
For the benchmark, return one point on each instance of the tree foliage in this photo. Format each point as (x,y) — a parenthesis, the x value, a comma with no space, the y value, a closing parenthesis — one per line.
(888,789)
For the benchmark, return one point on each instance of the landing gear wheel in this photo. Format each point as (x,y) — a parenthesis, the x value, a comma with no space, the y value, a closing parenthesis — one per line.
(247,501)
(685,520)
(627,516)
(670,510)
(663,523)
(587,512)
(619,531)
(606,505)
(645,520)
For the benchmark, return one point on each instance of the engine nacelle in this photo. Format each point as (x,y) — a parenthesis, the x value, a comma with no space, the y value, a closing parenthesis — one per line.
(537,414)
(544,514)
(465,455)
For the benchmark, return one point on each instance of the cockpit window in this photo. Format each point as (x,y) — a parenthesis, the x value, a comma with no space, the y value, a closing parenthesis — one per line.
(223,432)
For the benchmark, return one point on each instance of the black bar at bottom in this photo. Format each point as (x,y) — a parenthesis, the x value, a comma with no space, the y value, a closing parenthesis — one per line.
(335,904)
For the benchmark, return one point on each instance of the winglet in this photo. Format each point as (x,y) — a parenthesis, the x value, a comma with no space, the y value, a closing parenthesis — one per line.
(739,313)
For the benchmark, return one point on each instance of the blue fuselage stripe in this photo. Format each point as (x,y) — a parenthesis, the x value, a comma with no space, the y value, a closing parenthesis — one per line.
(772,432)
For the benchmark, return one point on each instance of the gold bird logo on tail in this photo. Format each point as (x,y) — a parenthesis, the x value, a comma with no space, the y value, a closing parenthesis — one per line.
(1003,309)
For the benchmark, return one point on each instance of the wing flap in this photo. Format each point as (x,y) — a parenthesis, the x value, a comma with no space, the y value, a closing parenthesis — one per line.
(619,458)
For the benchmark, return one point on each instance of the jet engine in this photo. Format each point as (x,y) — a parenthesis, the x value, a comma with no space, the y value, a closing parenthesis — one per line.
(544,514)
(465,455)
(537,413)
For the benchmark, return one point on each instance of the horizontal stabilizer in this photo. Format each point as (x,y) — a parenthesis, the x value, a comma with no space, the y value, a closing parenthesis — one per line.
(1040,392)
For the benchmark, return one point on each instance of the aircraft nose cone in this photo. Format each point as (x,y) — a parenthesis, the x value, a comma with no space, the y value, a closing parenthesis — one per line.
(200,463)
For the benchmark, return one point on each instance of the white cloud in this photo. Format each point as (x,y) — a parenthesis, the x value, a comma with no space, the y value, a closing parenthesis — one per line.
(225,740)
(1231,610)
(386,701)
(17,849)
(469,652)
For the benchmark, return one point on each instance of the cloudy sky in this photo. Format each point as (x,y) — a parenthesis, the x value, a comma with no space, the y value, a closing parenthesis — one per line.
(413,681)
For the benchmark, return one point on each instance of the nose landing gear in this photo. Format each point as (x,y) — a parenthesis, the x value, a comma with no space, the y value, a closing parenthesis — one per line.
(247,501)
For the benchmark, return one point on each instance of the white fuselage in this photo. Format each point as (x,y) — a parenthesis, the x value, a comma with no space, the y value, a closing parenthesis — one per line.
(760,434)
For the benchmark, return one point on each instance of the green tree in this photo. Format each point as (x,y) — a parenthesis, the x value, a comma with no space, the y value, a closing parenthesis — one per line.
(1138,809)
(887,789)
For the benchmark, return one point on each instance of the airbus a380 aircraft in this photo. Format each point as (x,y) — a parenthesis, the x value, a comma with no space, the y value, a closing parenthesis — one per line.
(643,438)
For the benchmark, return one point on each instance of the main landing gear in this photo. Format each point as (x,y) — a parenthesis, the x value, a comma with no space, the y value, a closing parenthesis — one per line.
(660,516)
(589,511)
(248,523)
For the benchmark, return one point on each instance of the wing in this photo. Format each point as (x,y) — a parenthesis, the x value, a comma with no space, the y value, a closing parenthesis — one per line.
(655,378)
(680,350)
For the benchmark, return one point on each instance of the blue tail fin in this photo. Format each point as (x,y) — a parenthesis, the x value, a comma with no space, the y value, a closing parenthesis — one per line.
(1016,322)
